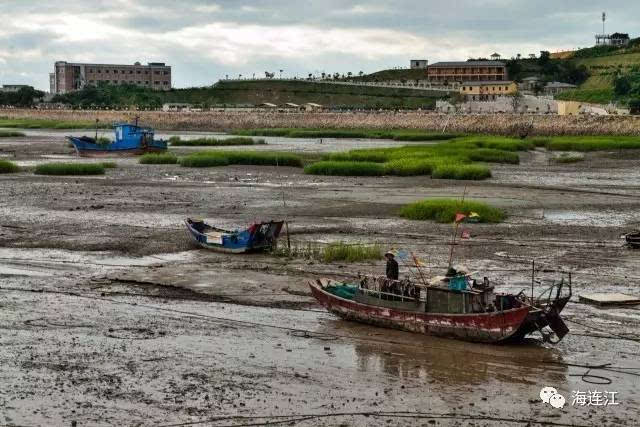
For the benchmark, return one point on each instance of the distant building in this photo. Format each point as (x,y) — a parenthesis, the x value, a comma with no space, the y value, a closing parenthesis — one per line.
(68,77)
(615,39)
(529,84)
(13,88)
(478,71)
(417,64)
(554,88)
(488,90)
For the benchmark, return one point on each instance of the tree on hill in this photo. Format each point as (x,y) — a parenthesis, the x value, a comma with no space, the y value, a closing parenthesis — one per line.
(545,57)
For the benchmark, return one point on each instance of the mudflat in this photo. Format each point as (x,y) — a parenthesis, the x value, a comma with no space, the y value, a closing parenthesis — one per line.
(110,315)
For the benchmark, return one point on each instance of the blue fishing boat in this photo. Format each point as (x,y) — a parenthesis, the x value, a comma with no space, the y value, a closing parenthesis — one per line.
(259,236)
(131,140)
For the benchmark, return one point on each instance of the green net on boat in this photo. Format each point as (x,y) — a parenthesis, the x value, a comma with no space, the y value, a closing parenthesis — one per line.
(341,290)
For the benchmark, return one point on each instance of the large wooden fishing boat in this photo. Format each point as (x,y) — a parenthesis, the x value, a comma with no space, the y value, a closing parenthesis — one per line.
(454,307)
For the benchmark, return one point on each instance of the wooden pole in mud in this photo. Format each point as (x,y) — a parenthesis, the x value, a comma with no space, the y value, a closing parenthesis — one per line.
(286,223)
(533,274)
(455,230)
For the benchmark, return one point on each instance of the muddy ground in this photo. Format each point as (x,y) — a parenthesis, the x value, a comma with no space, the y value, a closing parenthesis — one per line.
(110,316)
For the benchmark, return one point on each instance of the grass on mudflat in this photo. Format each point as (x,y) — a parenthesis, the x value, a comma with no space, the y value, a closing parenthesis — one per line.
(568,158)
(257,158)
(458,171)
(351,252)
(329,167)
(10,133)
(444,210)
(592,143)
(239,140)
(396,134)
(70,169)
(331,252)
(109,165)
(158,159)
(8,167)
(50,124)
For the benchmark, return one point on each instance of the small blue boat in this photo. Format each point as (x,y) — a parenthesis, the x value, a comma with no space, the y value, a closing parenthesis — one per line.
(131,140)
(259,236)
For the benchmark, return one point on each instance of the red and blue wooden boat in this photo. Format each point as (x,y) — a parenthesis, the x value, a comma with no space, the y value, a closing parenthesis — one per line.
(470,312)
(257,237)
(130,140)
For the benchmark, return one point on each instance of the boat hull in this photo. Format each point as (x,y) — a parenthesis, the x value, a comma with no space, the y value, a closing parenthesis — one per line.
(491,327)
(119,149)
(241,243)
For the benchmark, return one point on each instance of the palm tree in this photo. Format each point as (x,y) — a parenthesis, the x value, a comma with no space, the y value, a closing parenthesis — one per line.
(361,73)
(281,73)
(349,74)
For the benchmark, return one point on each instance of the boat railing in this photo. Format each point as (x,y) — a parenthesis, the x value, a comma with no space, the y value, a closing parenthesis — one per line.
(391,296)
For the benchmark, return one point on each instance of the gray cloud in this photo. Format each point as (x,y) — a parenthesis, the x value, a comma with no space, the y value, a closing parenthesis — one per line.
(205,40)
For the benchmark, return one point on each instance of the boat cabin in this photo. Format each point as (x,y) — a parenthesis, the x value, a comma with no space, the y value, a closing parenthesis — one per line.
(127,132)
(457,295)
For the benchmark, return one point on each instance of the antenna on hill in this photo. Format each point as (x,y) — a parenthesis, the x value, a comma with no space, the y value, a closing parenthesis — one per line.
(604,18)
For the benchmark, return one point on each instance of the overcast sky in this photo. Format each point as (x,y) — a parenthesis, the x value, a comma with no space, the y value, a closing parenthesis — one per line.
(206,40)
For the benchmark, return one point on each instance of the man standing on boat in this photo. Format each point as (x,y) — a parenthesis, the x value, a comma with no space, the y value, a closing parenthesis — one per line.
(392,266)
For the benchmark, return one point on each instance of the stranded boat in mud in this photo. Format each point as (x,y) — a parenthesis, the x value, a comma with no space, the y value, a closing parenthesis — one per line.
(454,307)
(259,236)
(633,239)
(131,140)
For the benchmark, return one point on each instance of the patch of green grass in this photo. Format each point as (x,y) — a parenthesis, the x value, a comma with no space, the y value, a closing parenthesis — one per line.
(457,171)
(158,159)
(8,167)
(257,158)
(444,210)
(375,156)
(593,143)
(50,124)
(568,158)
(109,165)
(409,167)
(9,134)
(332,252)
(595,96)
(491,155)
(239,140)
(329,167)
(350,253)
(70,169)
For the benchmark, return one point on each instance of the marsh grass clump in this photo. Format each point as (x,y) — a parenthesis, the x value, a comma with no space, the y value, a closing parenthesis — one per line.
(375,156)
(109,165)
(444,210)
(458,171)
(351,252)
(10,133)
(329,167)
(593,143)
(409,167)
(256,158)
(568,158)
(158,159)
(238,140)
(8,167)
(332,252)
(70,169)
(492,155)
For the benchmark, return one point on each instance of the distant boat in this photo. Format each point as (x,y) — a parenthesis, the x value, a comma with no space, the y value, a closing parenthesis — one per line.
(259,236)
(131,140)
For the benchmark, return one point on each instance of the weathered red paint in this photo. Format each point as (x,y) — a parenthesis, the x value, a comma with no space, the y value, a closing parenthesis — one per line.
(477,327)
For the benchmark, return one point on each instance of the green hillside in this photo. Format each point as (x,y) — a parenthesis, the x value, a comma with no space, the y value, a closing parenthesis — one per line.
(253,92)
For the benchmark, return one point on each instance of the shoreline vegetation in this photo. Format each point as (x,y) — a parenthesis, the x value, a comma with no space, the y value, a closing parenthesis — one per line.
(409,122)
